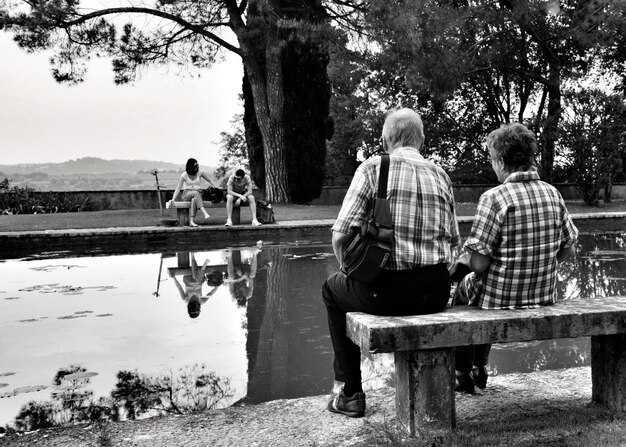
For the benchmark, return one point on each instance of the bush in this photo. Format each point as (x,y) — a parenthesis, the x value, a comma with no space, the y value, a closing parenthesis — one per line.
(25,200)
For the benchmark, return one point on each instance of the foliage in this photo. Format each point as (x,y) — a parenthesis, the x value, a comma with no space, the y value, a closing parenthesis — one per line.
(190,389)
(233,151)
(370,85)
(594,139)
(25,200)
(514,56)
(306,114)
(356,125)
(70,403)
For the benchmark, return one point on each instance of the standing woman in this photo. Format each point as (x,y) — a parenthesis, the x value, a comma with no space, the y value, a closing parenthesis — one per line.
(190,184)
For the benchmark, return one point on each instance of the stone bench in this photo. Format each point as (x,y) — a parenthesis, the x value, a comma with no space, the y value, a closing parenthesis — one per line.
(423,347)
(182,212)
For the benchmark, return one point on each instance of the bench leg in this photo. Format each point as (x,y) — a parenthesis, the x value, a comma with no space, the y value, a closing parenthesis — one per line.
(236,215)
(183,259)
(183,216)
(425,389)
(608,371)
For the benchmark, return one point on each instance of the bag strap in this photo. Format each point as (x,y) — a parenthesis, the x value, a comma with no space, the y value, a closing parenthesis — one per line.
(383,176)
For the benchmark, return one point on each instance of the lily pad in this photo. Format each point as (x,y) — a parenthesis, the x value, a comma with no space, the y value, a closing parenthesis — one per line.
(2,385)
(104,315)
(67,387)
(29,389)
(70,317)
(5,374)
(12,298)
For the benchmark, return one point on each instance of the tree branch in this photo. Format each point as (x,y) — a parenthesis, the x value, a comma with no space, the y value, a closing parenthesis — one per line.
(199,29)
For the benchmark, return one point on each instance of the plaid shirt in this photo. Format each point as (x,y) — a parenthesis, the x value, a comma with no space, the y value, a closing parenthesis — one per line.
(421,204)
(521,225)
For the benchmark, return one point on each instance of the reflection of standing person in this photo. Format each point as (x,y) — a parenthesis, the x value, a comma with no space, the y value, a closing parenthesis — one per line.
(191,293)
(239,192)
(190,184)
(521,232)
(416,280)
(241,268)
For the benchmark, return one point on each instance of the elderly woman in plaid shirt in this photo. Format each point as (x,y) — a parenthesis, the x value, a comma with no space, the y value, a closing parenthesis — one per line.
(521,232)
(416,279)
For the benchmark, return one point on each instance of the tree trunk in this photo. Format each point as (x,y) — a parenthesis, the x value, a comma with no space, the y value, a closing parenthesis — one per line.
(285,61)
(551,124)
(265,77)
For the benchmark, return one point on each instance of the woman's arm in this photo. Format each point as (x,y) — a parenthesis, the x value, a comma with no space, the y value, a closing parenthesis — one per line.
(206,177)
(178,188)
(183,295)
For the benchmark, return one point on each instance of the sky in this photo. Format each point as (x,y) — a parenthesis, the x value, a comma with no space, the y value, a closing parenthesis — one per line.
(162,117)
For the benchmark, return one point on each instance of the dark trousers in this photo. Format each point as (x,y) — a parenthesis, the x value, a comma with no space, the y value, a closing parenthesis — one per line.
(466,357)
(407,292)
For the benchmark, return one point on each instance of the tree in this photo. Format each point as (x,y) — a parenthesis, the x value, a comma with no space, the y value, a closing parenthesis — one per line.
(515,54)
(281,44)
(594,136)
(233,151)
(357,123)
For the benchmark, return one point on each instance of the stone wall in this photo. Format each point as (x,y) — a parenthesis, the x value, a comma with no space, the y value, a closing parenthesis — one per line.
(331,195)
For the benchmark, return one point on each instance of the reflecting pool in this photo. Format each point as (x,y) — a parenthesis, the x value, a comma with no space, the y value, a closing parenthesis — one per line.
(137,334)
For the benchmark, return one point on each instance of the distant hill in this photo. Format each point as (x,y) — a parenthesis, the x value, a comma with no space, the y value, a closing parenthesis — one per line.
(96,174)
(90,165)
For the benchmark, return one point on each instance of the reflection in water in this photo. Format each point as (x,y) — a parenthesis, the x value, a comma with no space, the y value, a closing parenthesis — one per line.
(241,272)
(135,395)
(599,269)
(262,332)
(193,280)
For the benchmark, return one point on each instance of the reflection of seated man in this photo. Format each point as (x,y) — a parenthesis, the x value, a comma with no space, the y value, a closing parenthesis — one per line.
(241,269)
(192,292)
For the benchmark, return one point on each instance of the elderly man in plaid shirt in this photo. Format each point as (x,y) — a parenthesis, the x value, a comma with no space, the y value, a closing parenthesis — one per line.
(521,232)
(416,279)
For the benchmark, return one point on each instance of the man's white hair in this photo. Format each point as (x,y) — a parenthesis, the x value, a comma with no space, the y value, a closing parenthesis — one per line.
(404,128)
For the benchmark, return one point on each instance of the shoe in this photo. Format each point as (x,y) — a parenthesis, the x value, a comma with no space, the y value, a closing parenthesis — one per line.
(256,223)
(353,407)
(228,223)
(479,374)
(465,383)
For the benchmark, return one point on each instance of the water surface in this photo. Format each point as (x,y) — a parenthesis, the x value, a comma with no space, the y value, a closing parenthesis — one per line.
(258,330)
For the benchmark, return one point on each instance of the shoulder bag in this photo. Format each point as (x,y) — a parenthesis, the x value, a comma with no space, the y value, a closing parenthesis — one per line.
(370,249)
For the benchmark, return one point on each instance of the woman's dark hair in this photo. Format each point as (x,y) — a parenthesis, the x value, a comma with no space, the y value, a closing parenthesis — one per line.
(516,145)
(192,167)
(193,308)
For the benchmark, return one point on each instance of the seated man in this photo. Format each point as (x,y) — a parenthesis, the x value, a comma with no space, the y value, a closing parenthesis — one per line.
(416,279)
(239,191)
(521,232)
